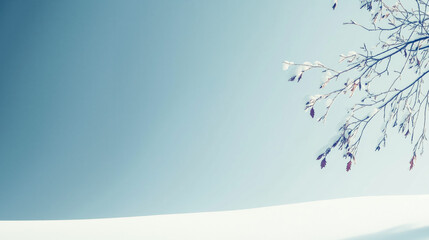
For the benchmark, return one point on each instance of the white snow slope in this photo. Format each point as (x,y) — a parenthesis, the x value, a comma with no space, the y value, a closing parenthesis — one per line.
(387,217)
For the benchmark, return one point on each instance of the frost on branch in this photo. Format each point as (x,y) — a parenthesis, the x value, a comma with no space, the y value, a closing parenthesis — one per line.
(397,66)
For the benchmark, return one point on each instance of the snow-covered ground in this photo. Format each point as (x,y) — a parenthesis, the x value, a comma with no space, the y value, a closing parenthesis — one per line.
(387,217)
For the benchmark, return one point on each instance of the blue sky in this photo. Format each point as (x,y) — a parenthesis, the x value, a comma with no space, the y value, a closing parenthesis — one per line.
(126,108)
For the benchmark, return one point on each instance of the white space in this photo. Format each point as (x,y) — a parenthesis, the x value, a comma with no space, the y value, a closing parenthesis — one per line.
(383,217)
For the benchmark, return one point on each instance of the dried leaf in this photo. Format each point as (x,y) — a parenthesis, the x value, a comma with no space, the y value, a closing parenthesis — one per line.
(323,163)
(349,165)
(413,159)
(299,77)
(353,88)
(312,112)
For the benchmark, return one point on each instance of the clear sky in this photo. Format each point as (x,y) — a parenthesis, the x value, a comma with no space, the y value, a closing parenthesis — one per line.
(127,108)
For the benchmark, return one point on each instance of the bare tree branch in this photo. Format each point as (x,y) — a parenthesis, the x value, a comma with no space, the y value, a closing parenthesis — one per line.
(400,61)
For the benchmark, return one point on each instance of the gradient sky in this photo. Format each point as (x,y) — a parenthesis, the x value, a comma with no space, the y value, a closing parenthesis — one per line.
(127,108)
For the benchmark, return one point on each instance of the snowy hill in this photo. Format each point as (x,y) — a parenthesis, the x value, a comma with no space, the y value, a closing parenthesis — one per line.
(387,217)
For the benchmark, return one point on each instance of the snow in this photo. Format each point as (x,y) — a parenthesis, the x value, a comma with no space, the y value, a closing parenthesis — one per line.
(384,217)
(303,67)
(373,112)
(287,64)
